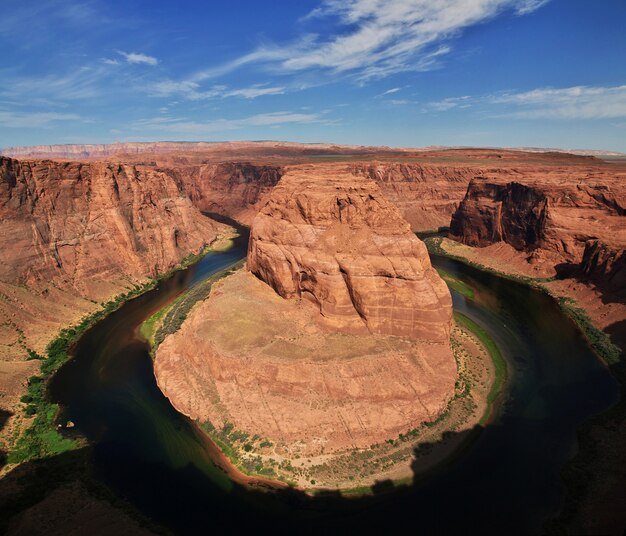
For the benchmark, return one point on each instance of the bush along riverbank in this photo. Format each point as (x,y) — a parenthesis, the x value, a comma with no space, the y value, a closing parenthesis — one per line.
(598,340)
(594,475)
(43,437)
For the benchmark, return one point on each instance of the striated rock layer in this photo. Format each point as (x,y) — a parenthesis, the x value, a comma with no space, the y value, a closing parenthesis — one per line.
(345,346)
(78,233)
(563,225)
(340,244)
(233,189)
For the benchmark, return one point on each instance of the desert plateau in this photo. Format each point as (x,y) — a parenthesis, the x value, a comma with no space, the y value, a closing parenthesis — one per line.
(330,267)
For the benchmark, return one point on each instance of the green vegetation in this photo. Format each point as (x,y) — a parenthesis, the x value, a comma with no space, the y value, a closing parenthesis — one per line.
(493,350)
(231,442)
(169,319)
(454,283)
(599,342)
(42,439)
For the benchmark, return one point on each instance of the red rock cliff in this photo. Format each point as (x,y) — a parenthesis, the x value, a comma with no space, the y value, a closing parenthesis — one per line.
(334,239)
(552,218)
(232,189)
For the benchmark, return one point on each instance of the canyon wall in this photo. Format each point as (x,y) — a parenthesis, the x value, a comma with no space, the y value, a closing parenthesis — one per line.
(233,189)
(339,243)
(562,224)
(426,194)
(75,234)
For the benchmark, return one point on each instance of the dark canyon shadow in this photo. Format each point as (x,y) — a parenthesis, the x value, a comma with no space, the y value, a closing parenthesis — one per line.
(185,501)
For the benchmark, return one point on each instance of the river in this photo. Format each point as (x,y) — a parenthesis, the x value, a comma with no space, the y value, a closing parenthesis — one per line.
(505,481)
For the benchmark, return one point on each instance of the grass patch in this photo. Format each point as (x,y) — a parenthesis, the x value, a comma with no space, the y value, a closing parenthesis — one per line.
(495,354)
(454,283)
(599,342)
(169,319)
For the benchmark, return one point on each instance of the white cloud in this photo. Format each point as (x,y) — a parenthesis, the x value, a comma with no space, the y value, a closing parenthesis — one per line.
(137,58)
(110,61)
(81,83)
(379,37)
(391,91)
(528,6)
(192,90)
(183,126)
(33,119)
(444,105)
(578,102)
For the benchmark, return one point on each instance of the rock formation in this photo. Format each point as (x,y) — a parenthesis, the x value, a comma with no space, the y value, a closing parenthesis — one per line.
(340,244)
(561,224)
(375,363)
(426,194)
(80,233)
(233,189)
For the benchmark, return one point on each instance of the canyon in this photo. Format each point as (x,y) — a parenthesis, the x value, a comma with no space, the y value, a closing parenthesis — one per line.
(336,337)
(333,275)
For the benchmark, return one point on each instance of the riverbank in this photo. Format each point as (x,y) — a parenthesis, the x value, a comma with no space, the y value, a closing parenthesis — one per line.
(594,477)
(32,432)
(398,458)
(584,305)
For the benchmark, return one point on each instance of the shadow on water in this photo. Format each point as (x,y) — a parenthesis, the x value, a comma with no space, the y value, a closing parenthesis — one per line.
(505,481)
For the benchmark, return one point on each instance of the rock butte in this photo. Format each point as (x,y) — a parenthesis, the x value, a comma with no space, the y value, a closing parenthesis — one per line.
(563,226)
(364,356)
(334,239)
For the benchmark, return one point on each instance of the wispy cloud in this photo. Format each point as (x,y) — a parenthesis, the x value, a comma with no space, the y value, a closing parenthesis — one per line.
(33,119)
(183,126)
(80,83)
(377,38)
(391,91)
(578,102)
(135,57)
(192,90)
(444,105)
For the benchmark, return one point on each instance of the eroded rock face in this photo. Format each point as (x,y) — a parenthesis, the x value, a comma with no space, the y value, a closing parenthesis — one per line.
(336,241)
(75,234)
(426,194)
(563,224)
(606,265)
(233,189)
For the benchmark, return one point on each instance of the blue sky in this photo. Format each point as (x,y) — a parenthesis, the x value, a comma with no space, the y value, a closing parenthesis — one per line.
(411,73)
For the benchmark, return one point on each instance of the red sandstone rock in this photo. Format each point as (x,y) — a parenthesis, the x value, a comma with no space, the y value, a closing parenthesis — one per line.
(558,220)
(334,239)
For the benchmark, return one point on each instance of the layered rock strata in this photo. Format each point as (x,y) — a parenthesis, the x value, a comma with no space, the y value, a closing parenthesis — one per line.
(564,226)
(339,340)
(75,234)
(340,244)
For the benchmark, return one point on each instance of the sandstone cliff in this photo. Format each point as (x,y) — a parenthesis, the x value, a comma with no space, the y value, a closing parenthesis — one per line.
(342,339)
(426,194)
(553,219)
(79,233)
(232,189)
(339,243)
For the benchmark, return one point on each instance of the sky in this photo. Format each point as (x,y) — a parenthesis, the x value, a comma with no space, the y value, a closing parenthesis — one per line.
(404,73)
